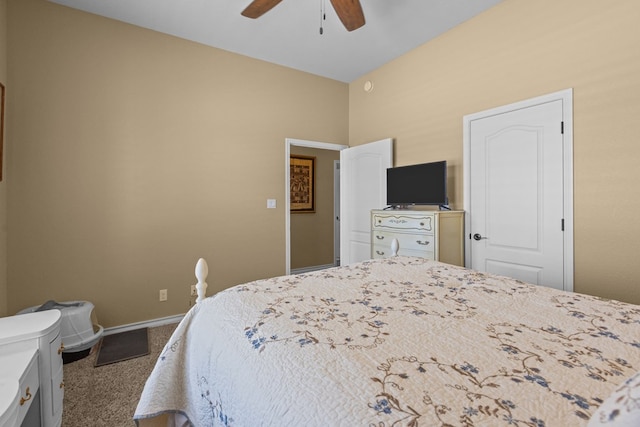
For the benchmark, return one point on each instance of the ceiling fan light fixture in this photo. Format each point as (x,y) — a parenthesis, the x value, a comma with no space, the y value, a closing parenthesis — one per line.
(257,8)
(349,11)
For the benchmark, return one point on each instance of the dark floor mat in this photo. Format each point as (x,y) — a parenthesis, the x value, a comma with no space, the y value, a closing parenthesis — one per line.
(122,346)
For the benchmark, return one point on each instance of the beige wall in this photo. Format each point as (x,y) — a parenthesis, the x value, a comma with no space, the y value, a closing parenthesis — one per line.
(130,153)
(135,153)
(519,50)
(312,233)
(3,185)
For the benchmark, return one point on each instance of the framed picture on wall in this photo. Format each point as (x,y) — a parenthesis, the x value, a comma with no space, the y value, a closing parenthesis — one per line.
(302,183)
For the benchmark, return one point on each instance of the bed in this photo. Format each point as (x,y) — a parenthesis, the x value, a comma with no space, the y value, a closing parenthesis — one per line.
(394,342)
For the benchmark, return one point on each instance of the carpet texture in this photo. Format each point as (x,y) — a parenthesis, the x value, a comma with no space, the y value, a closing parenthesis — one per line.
(122,346)
(108,396)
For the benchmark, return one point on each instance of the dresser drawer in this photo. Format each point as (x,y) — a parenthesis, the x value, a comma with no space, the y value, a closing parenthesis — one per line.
(29,384)
(415,242)
(380,252)
(385,252)
(402,222)
(9,397)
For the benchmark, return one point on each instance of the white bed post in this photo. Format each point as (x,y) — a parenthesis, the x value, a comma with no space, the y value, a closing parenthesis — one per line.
(202,270)
(394,247)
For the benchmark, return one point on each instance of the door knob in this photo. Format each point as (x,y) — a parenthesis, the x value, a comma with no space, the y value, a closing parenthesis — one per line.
(478,237)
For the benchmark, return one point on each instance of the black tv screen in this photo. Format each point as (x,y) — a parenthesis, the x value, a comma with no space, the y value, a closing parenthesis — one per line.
(422,184)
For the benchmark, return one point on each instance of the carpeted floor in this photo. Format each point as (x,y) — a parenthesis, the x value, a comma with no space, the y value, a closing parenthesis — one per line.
(108,395)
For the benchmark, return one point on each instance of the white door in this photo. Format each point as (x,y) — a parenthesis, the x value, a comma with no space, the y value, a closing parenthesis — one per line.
(517,217)
(336,213)
(363,186)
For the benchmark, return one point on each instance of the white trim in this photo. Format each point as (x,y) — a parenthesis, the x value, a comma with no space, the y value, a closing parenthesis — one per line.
(566,96)
(288,142)
(145,324)
(310,269)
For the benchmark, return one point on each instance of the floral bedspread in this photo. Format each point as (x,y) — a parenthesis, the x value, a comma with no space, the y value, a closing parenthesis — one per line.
(390,342)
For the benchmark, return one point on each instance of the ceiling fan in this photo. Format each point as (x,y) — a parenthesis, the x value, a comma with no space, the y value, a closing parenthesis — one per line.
(349,11)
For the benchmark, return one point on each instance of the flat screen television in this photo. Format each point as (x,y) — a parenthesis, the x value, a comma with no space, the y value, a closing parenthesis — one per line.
(421,184)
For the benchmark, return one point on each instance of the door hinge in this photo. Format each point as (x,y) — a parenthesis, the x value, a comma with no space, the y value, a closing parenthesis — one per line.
(562,224)
(562,128)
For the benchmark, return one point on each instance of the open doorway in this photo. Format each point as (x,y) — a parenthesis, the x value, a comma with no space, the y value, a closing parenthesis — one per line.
(311,235)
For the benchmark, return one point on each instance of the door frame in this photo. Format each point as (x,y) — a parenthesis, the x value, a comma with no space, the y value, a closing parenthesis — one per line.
(288,143)
(566,96)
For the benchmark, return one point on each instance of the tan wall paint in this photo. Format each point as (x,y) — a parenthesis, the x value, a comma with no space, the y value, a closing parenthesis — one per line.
(3,185)
(136,153)
(519,50)
(133,153)
(312,233)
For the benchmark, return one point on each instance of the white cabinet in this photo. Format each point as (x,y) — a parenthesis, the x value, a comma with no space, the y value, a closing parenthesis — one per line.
(436,235)
(22,366)
(31,353)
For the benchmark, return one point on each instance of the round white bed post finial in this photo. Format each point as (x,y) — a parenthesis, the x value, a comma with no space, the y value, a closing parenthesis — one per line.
(202,270)
(394,247)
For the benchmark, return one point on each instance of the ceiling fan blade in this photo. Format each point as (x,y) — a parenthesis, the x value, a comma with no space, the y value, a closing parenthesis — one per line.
(350,13)
(257,8)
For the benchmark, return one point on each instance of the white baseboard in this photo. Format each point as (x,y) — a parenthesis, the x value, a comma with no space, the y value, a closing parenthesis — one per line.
(146,324)
(312,268)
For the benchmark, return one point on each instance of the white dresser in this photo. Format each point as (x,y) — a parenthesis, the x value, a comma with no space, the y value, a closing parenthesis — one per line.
(31,360)
(436,235)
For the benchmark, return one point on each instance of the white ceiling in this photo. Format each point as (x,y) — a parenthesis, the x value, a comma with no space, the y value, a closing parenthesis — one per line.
(289,34)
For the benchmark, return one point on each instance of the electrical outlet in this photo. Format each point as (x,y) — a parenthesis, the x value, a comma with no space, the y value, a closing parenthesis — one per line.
(163,294)
(194,291)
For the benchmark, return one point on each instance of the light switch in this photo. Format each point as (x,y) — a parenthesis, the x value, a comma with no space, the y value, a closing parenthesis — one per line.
(271,203)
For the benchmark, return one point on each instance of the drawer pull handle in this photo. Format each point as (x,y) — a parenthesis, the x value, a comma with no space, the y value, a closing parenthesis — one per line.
(24,400)
(61,349)
(380,252)
(422,242)
(379,237)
